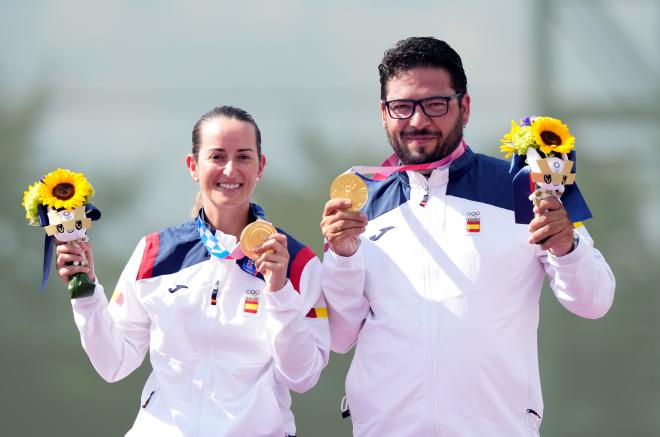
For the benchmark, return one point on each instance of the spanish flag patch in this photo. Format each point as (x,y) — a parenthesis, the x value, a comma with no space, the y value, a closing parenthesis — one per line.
(473,225)
(473,222)
(117,297)
(251,305)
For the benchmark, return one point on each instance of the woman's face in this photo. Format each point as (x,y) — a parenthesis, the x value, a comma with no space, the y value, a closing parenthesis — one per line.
(227,165)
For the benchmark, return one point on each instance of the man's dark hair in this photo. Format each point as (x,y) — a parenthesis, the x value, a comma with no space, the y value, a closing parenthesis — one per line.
(417,52)
(226,112)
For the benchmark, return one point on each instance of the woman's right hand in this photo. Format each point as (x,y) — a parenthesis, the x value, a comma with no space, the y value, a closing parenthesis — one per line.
(69,254)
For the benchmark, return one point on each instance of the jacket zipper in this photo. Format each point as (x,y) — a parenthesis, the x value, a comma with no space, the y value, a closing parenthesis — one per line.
(207,326)
(428,318)
(214,293)
(425,199)
(430,222)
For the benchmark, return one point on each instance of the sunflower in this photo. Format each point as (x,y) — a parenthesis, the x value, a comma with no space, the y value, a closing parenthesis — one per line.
(65,189)
(552,136)
(517,141)
(31,203)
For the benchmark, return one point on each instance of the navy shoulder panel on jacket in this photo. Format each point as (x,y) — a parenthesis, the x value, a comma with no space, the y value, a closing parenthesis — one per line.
(481,178)
(386,195)
(171,250)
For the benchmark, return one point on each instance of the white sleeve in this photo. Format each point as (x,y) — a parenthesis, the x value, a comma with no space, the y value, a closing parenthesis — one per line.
(297,330)
(581,280)
(114,335)
(343,283)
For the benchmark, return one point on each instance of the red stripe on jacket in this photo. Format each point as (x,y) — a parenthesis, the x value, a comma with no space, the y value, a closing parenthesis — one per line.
(298,264)
(149,256)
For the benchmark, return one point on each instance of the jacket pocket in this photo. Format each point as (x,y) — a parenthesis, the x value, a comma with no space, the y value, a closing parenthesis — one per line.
(145,403)
(149,392)
(533,419)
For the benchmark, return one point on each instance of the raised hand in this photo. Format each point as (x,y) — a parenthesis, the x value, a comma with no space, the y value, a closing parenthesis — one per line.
(341,227)
(273,261)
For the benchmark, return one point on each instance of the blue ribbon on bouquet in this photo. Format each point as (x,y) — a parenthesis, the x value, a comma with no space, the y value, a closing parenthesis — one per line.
(523,187)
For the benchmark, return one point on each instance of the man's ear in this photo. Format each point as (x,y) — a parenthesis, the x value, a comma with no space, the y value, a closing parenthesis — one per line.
(465,108)
(383,112)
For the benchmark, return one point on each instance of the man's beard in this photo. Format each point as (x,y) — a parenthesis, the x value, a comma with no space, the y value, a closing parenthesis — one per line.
(444,147)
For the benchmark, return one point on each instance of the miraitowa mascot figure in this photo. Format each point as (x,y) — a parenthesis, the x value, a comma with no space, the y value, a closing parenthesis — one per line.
(551,175)
(544,166)
(60,203)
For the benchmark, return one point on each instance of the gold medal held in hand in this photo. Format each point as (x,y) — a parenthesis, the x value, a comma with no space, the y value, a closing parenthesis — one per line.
(254,235)
(352,187)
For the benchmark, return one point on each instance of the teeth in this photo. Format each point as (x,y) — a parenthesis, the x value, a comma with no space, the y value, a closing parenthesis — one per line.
(229,186)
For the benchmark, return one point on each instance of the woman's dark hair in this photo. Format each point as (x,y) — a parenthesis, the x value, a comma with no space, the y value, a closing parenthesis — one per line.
(226,112)
(417,52)
(219,112)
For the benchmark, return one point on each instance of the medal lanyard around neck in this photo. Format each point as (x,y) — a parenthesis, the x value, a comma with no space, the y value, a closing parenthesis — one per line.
(390,166)
(214,246)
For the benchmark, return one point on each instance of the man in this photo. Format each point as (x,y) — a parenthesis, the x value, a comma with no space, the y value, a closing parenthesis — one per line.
(444,315)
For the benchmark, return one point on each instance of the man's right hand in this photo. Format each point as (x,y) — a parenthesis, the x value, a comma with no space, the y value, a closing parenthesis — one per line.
(341,227)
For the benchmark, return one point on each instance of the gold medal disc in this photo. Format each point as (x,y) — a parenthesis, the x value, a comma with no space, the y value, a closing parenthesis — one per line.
(352,187)
(254,235)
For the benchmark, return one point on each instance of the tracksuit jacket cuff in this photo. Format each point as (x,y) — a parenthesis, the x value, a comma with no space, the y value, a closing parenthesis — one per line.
(284,298)
(98,298)
(352,262)
(570,258)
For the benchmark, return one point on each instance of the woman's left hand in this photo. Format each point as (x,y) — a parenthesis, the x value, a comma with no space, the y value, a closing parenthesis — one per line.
(273,261)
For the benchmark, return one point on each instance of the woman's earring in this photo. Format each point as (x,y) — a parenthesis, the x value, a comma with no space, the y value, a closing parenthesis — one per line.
(195,178)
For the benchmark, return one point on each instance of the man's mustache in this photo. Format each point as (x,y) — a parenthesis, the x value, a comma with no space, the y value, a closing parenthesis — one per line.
(424,132)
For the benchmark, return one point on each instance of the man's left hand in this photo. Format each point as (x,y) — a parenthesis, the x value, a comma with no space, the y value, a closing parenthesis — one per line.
(552,227)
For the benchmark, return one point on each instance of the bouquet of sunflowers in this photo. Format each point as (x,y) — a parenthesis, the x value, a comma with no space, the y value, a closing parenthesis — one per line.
(543,158)
(60,203)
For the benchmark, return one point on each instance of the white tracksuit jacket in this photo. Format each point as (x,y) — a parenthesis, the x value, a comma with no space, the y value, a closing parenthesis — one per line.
(223,366)
(444,321)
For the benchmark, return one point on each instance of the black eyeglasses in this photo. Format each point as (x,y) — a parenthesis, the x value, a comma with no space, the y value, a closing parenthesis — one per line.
(436,106)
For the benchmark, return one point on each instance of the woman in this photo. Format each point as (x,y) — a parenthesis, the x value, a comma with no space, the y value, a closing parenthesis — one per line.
(227,338)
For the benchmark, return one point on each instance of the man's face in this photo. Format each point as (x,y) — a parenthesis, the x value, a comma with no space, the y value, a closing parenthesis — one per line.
(421,139)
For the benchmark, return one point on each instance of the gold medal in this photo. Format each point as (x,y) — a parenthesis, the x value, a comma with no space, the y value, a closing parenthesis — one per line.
(352,187)
(254,235)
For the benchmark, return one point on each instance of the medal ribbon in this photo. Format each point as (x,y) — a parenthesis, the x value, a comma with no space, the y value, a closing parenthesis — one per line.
(391,165)
(212,244)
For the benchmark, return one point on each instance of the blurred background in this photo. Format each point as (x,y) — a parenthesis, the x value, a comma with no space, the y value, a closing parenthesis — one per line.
(112,89)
